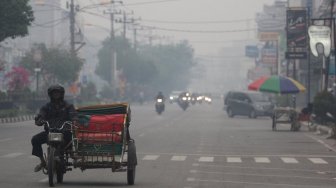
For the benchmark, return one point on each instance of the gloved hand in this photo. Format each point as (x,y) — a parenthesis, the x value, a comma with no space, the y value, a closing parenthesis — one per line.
(38,120)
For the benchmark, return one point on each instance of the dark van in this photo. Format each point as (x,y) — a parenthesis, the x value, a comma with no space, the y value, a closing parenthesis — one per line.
(249,103)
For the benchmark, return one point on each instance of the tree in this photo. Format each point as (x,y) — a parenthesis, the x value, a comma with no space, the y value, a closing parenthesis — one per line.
(136,68)
(162,67)
(58,65)
(17,79)
(15,17)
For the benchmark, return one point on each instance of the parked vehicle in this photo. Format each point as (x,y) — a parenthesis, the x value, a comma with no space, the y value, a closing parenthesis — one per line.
(249,103)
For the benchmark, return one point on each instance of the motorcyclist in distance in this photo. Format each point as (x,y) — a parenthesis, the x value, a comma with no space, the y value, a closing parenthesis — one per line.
(160,96)
(55,112)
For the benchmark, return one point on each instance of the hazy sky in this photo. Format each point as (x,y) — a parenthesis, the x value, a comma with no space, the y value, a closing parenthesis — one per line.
(203,12)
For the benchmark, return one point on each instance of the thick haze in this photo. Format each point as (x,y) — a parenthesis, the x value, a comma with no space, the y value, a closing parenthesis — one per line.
(217,70)
(187,11)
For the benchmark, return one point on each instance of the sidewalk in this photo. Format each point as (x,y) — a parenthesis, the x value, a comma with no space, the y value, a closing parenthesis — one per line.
(321,134)
(16,119)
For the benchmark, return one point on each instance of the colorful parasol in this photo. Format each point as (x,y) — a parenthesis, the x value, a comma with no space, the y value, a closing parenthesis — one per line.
(277,84)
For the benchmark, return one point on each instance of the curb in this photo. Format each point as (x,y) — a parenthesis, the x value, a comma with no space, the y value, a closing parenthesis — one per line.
(16,119)
(319,129)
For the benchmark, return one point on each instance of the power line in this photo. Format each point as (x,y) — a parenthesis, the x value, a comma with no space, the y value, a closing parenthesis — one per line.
(53,22)
(199,31)
(196,22)
(130,4)
(150,2)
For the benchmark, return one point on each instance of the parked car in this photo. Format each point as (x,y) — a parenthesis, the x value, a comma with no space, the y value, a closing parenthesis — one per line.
(249,103)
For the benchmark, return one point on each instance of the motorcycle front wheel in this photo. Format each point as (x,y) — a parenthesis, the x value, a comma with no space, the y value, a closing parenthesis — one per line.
(51,166)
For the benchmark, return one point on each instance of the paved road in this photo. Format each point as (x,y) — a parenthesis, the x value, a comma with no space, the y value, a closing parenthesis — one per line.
(201,147)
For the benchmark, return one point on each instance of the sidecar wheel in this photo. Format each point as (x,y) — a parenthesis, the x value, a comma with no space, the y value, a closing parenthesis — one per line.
(132,162)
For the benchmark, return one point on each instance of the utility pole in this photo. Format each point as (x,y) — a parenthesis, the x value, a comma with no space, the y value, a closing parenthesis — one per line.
(72,28)
(135,38)
(124,24)
(113,63)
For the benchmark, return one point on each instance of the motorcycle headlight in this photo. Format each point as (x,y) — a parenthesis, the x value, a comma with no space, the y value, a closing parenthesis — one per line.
(184,98)
(159,100)
(171,98)
(55,137)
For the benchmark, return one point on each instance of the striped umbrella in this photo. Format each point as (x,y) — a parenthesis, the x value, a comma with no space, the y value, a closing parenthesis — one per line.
(277,84)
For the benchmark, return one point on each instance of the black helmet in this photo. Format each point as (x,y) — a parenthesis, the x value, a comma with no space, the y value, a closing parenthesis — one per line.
(56,87)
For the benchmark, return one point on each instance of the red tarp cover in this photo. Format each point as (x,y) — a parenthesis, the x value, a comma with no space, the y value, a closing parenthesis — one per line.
(105,123)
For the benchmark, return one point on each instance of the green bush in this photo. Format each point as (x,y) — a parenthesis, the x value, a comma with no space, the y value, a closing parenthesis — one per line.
(9,113)
(324,102)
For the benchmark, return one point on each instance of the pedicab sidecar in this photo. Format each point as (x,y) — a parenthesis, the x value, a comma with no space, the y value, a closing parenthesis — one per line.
(102,140)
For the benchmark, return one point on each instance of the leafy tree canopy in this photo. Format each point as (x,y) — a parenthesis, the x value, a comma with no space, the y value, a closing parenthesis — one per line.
(15,17)
(164,67)
(57,65)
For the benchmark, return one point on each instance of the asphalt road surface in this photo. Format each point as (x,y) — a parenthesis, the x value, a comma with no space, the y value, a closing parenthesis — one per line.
(200,147)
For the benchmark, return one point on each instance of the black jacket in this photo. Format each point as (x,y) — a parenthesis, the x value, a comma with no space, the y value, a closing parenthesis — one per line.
(56,113)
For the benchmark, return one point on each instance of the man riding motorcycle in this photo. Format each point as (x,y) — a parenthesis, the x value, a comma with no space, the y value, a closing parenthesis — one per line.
(159,104)
(55,112)
(160,96)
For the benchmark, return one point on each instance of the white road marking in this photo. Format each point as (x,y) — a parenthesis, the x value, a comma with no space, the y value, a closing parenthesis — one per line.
(321,142)
(150,157)
(318,161)
(248,155)
(233,160)
(190,179)
(193,171)
(11,155)
(289,160)
(178,158)
(206,159)
(44,180)
(142,134)
(262,160)
(195,164)
(5,139)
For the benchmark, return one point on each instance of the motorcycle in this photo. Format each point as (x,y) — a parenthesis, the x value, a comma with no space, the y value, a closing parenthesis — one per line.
(333,120)
(58,152)
(183,102)
(159,106)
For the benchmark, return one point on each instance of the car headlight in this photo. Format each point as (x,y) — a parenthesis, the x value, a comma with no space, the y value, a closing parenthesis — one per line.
(184,98)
